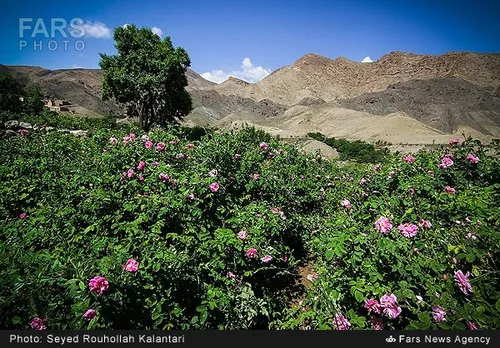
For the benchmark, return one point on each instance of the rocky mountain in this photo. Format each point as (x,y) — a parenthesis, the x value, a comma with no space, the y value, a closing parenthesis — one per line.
(401,97)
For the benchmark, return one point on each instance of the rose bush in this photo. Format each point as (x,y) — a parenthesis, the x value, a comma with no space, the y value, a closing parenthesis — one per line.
(206,229)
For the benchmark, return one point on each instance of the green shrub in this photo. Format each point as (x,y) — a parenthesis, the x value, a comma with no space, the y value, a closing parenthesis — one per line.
(73,208)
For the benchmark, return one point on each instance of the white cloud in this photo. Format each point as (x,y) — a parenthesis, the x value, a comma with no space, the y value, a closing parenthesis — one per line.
(96,30)
(157,31)
(248,72)
(125,25)
(367,59)
(74,66)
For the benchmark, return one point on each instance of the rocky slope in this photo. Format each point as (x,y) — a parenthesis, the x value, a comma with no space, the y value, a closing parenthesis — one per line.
(399,98)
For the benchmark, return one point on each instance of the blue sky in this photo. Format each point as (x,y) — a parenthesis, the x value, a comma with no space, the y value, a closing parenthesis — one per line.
(249,39)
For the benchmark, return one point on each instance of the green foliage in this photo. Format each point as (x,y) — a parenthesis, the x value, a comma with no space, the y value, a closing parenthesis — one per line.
(356,150)
(89,209)
(10,93)
(148,75)
(32,100)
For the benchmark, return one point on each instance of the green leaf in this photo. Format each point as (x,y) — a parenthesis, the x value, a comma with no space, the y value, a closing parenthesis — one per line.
(16,320)
(424,317)
(359,296)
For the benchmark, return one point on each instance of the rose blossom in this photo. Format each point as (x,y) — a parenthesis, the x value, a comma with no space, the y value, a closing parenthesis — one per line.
(163,177)
(230,275)
(383,225)
(256,176)
(130,173)
(252,253)
(242,235)
(446,162)
(471,158)
(22,215)
(463,282)
(160,146)
(189,146)
(144,138)
(390,306)
(148,144)
(409,159)
(141,165)
(454,141)
(346,204)
(373,306)
(438,313)
(89,315)
(340,322)
(214,187)
(425,223)
(263,146)
(131,265)
(472,326)
(450,190)
(39,324)
(113,140)
(190,196)
(408,230)
(267,258)
(213,172)
(237,156)
(98,284)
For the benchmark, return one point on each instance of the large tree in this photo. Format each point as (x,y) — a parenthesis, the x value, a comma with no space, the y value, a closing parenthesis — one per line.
(147,75)
(10,93)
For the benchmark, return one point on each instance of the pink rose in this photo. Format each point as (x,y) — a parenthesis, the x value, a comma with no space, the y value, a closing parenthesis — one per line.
(39,324)
(252,253)
(471,158)
(98,284)
(346,204)
(141,165)
(160,146)
(113,140)
(408,230)
(463,282)
(267,258)
(340,322)
(148,144)
(409,159)
(242,235)
(214,187)
(383,225)
(450,190)
(89,315)
(131,265)
(446,162)
(438,314)
(373,306)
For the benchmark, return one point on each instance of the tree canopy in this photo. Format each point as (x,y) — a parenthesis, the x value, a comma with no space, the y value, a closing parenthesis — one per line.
(147,75)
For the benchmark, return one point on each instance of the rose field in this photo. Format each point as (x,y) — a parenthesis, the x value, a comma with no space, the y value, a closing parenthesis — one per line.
(170,229)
